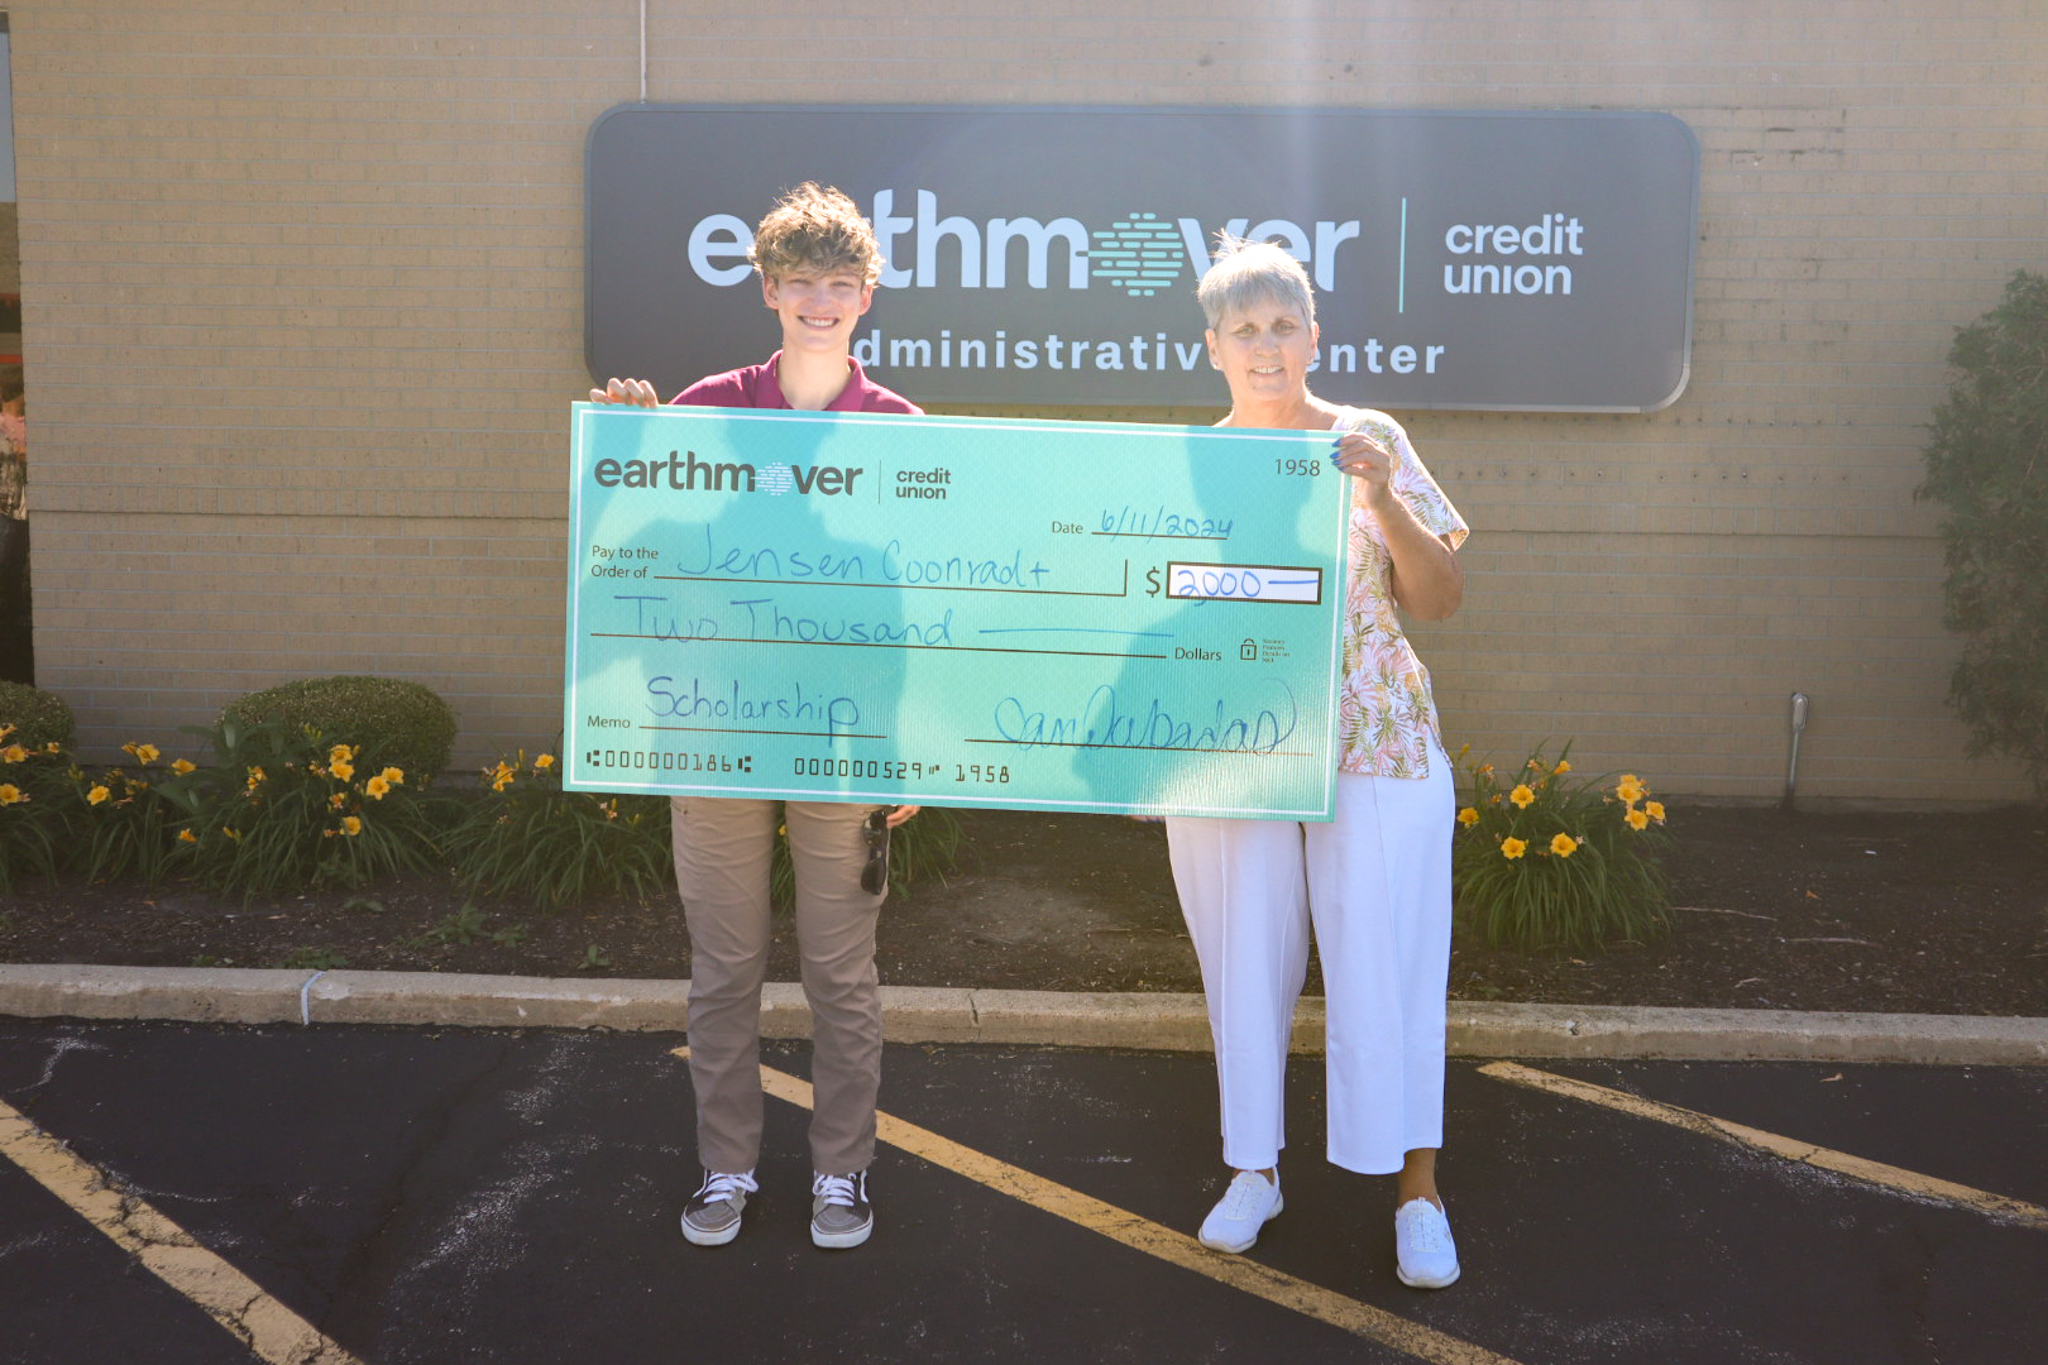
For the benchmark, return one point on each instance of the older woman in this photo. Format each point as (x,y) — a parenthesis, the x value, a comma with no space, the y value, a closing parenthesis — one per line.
(1375,883)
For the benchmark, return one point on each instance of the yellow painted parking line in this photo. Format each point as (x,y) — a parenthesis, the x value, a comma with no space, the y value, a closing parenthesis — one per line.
(268,1328)
(1772,1144)
(1142,1234)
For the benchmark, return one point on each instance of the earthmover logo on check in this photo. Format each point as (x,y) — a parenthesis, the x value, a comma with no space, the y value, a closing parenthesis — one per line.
(683,472)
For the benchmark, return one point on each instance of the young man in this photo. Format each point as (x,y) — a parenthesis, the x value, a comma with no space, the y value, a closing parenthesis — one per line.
(818,262)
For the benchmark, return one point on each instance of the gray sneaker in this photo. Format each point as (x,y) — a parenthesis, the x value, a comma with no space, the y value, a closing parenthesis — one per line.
(712,1217)
(840,1213)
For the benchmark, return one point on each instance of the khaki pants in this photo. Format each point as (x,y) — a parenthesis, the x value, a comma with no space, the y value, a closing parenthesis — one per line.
(723,849)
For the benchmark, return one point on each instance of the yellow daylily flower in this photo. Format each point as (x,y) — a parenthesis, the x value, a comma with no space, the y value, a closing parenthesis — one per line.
(1521,796)
(13,753)
(11,795)
(376,788)
(1563,845)
(1630,789)
(340,753)
(1469,816)
(146,754)
(186,836)
(1637,819)
(181,767)
(1655,810)
(343,770)
(1512,848)
(97,795)
(543,762)
(395,776)
(352,825)
(1561,768)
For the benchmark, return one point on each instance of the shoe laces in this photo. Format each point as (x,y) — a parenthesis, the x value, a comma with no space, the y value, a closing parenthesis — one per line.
(723,1185)
(1426,1227)
(844,1190)
(1248,1190)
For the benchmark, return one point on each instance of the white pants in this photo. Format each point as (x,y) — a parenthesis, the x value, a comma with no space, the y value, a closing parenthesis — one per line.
(1376,882)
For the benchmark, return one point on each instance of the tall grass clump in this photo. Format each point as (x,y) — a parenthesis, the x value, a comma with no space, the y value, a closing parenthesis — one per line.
(286,808)
(31,825)
(1546,860)
(525,836)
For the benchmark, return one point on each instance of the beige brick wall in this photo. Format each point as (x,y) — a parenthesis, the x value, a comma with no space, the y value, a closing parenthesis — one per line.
(303,293)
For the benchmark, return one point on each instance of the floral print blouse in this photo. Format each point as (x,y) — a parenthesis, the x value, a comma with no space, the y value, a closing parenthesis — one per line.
(1385,713)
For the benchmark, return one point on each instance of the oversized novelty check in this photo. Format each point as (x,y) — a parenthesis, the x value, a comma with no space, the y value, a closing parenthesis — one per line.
(953,611)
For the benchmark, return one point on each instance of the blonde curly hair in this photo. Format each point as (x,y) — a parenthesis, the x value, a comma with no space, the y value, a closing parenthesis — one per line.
(815,228)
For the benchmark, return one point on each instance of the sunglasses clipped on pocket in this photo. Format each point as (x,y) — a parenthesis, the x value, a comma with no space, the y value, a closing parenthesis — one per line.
(874,877)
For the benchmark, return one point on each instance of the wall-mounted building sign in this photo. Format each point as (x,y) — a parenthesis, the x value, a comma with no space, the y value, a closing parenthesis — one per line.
(1524,261)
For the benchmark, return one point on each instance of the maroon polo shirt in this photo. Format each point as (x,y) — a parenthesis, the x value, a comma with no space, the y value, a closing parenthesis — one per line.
(757,386)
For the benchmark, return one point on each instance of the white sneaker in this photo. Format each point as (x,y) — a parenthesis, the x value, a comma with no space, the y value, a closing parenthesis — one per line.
(1425,1257)
(1233,1225)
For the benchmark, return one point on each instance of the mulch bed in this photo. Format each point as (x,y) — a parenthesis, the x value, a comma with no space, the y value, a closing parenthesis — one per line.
(1914,912)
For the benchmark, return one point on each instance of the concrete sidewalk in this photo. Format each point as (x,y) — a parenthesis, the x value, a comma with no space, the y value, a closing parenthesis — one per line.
(919,1014)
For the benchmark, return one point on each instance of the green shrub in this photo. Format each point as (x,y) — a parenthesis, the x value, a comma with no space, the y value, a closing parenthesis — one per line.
(407,723)
(1553,861)
(288,809)
(525,836)
(34,719)
(1988,461)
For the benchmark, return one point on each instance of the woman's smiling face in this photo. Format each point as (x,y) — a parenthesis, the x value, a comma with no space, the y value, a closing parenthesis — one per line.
(1264,350)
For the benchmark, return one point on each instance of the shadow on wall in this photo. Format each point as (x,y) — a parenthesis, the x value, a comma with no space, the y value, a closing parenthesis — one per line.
(17,642)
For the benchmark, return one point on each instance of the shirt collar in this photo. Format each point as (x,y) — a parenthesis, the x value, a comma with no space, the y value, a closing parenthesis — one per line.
(849,400)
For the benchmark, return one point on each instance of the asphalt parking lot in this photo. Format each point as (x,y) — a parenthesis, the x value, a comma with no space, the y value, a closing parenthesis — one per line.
(172,1192)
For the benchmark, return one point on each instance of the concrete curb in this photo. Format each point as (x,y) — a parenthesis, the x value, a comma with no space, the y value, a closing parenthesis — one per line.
(926,1014)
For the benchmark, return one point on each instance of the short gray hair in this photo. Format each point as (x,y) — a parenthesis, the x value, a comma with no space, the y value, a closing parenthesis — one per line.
(1249,272)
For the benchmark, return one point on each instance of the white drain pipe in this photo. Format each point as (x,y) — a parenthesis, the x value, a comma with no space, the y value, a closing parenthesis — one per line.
(1792,763)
